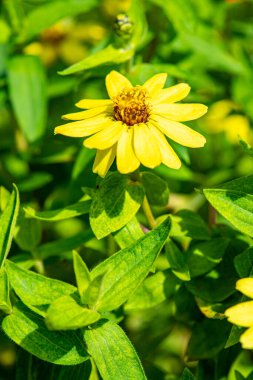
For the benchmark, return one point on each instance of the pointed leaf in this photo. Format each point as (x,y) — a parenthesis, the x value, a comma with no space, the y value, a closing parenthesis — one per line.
(128,268)
(58,247)
(154,290)
(115,203)
(128,234)
(202,257)
(66,314)
(113,353)
(67,212)
(188,223)
(30,332)
(82,274)
(7,224)
(236,206)
(27,83)
(177,261)
(187,375)
(109,55)
(5,304)
(36,291)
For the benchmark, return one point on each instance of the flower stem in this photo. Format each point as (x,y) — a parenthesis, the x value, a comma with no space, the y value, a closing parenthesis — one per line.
(148,212)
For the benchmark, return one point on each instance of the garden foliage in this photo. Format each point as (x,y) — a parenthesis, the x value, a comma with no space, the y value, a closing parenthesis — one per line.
(127,276)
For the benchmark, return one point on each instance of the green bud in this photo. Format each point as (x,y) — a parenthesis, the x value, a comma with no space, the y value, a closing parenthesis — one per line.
(123,26)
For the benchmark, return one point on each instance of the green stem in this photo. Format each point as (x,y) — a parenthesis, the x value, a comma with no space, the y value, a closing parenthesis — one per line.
(148,213)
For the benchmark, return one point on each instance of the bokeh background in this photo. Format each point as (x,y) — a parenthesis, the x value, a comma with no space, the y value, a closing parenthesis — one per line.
(54,53)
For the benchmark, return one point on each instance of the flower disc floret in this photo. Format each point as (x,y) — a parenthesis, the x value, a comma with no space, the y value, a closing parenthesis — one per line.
(131,106)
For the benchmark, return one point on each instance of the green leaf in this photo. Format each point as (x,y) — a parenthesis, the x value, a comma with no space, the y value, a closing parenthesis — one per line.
(36,291)
(188,223)
(7,224)
(91,294)
(30,332)
(244,184)
(126,269)
(234,336)
(154,290)
(82,274)
(204,256)
(208,338)
(216,54)
(180,13)
(109,55)
(67,212)
(27,85)
(241,364)
(116,202)
(113,353)
(61,246)
(177,261)
(128,234)
(32,368)
(41,18)
(35,181)
(187,375)
(244,263)
(28,232)
(213,287)
(156,189)
(66,314)
(4,198)
(236,206)
(5,304)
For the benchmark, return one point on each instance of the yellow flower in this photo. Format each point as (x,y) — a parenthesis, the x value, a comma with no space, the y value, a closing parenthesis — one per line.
(242,314)
(131,124)
(235,126)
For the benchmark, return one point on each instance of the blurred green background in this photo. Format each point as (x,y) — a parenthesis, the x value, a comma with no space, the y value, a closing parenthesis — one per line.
(54,53)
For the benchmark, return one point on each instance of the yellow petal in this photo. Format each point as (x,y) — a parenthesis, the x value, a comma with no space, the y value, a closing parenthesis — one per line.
(155,84)
(126,158)
(93,103)
(180,112)
(103,161)
(145,146)
(245,286)
(241,314)
(169,157)
(179,132)
(116,83)
(89,113)
(105,138)
(83,128)
(246,339)
(172,94)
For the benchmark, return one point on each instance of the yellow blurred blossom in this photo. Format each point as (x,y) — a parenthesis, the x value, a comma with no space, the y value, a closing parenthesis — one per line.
(113,7)
(242,314)
(132,124)
(220,119)
(67,40)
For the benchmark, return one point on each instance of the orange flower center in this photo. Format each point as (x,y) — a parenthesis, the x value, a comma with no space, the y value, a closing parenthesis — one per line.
(131,106)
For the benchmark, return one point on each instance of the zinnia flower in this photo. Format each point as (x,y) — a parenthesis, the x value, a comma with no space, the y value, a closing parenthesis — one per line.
(242,314)
(131,124)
